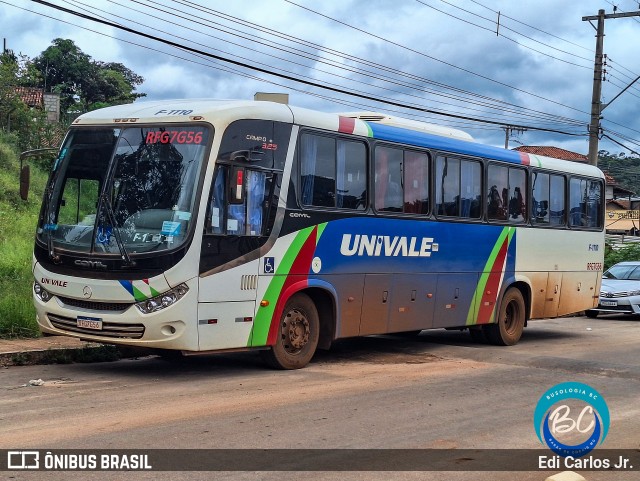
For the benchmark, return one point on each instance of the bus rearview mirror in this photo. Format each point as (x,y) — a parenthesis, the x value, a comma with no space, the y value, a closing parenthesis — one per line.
(25,176)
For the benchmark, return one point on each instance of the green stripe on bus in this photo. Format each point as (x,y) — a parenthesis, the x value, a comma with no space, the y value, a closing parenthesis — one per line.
(472,316)
(138,294)
(262,322)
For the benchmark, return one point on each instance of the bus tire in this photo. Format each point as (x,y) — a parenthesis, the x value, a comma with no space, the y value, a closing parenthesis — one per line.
(297,337)
(591,313)
(506,331)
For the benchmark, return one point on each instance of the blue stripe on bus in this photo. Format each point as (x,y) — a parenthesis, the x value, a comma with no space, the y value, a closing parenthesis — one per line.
(421,139)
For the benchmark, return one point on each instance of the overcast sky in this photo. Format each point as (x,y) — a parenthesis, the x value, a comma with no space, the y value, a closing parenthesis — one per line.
(439,55)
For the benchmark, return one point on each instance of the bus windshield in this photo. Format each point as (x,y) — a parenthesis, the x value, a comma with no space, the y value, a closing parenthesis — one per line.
(123,190)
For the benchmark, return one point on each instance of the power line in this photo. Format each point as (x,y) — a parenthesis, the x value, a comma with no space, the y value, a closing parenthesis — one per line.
(270,72)
(504,36)
(366,73)
(433,58)
(532,27)
(252,36)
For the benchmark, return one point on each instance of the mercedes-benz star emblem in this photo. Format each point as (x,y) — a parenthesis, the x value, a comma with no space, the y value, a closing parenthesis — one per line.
(86,292)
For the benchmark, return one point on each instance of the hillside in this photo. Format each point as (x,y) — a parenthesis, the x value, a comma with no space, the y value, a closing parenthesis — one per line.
(624,169)
(17,227)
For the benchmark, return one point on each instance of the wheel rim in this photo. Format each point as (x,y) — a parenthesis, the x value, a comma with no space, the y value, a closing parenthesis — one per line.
(511,316)
(295,331)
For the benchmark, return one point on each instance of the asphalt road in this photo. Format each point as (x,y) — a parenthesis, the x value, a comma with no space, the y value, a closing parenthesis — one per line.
(438,390)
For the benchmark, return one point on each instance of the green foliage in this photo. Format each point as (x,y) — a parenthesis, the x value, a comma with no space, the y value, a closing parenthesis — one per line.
(624,169)
(17,227)
(85,84)
(628,252)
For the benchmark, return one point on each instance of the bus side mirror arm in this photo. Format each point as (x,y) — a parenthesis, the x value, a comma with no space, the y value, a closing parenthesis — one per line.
(25,172)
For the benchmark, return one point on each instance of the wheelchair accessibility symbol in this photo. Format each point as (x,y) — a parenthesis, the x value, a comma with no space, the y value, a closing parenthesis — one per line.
(269,266)
(104,235)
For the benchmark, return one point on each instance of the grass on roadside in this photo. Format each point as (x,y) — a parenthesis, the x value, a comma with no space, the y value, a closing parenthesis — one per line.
(18,220)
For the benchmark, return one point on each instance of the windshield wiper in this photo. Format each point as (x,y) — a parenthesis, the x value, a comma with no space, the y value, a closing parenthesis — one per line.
(116,231)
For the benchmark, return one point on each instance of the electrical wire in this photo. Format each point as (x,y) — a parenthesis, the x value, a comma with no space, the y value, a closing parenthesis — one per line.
(372,75)
(288,77)
(435,59)
(505,37)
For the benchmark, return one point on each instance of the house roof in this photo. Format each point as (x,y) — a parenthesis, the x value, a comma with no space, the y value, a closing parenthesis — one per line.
(555,152)
(622,204)
(558,153)
(32,96)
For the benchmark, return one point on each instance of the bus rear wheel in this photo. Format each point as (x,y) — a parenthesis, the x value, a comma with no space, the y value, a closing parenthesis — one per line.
(511,319)
(298,334)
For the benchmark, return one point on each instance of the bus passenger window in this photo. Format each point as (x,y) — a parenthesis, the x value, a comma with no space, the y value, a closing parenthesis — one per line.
(351,179)
(540,199)
(498,195)
(470,187)
(577,203)
(458,187)
(416,182)
(333,172)
(318,170)
(517,190)
(447,186)
(584,203)
(594,204)
(557,209)
(507,194)
(388,179)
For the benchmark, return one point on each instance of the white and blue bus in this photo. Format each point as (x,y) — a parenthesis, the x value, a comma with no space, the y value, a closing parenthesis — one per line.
(206,225)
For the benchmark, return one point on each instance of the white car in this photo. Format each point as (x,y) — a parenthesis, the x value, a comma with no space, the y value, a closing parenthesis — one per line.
(620,291)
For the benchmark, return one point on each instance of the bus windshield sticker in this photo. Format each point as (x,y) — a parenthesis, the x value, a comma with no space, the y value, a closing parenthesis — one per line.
(104,235)
(170,228)
(183,215)
(232,224)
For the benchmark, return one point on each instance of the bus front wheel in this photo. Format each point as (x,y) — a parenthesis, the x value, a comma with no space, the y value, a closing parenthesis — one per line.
(298,334)
(511,319)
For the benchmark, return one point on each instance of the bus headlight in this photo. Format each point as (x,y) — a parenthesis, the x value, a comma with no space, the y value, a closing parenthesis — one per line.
(166,299)
(41,293)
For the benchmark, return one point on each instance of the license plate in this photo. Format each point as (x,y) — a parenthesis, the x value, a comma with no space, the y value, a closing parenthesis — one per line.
(609,303)
(94,323)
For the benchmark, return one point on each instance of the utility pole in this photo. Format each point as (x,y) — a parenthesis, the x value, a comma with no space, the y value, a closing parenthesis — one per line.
(510,129)
(596,105)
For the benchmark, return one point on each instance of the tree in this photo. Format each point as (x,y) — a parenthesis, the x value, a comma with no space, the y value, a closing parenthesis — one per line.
(85,84)
(16,118)
(625,169)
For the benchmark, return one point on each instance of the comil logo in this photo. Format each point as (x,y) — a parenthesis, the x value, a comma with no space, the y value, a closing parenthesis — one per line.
(572,419)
